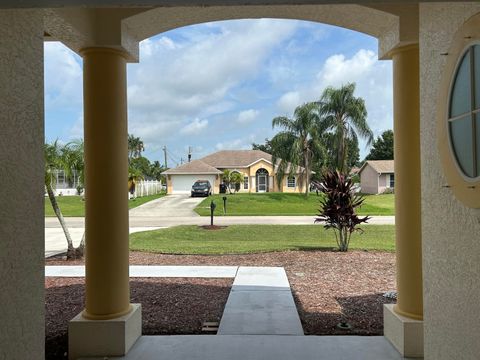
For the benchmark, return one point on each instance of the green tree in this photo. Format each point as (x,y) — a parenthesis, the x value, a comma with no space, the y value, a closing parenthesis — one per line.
(232,179)
(267,147)
(382,148)
(156,170)
(299,143)
(345,116)
(135,147)
(353,151)
(142,166)
(63,158)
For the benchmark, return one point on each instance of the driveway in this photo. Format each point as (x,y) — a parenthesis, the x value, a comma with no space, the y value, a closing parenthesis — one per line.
(168,206)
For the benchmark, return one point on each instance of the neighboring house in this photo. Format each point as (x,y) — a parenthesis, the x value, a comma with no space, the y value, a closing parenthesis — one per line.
(377,176)
(64,185)
(255,166)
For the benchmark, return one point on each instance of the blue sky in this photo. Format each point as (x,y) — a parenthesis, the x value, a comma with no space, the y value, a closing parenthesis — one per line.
(219,85)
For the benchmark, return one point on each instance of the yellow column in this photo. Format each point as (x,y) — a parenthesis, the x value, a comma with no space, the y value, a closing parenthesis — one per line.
(406,95)
(106,177)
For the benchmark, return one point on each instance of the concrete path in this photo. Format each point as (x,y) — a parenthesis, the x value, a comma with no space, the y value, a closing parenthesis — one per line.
(168,206)
(55,242)
(261,347)
(167,221)
(152,271)
(260,303)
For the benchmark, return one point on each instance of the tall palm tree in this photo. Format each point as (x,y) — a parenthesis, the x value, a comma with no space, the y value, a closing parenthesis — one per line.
(298,144)
(59,157)
(135,147)
(345,116)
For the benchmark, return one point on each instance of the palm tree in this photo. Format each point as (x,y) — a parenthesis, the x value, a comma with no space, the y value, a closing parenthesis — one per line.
(57,158)
(346,117)
(230,178)
(135,147)
(298,144)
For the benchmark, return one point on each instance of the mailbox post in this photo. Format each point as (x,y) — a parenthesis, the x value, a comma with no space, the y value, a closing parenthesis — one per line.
(212,209)
(224,205)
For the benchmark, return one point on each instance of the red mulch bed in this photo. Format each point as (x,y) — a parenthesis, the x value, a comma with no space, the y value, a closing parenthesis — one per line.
(328,287)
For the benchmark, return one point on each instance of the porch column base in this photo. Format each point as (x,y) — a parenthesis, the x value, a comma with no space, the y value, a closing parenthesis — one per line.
(114,337)
(405,334)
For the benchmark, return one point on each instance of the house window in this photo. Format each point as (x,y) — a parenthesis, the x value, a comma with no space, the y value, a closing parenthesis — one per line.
(464,114)
(291,182)
(392,181)
(245,182)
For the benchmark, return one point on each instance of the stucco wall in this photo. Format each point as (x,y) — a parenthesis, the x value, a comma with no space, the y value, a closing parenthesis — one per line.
(369,180)
(450,231)
(21,191)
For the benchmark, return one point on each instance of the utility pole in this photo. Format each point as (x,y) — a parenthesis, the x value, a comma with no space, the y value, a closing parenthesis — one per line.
(165,153)
(189,153)
(181,161)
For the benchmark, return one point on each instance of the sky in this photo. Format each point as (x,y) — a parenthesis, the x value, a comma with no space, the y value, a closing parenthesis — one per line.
(218,85)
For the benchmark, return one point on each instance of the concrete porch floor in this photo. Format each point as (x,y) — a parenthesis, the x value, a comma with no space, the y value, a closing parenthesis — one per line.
(261,347)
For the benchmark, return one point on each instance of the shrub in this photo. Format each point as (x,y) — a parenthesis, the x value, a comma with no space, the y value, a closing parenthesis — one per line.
(338,207)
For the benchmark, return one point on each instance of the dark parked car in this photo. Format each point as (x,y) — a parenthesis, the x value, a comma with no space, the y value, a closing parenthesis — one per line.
(202,188)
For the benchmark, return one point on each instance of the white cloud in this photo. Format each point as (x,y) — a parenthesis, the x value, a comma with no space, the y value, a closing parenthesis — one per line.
(247,116)
(63,77)
(234,144)
(289,101)
(177,80)
(373,80)
(194,127)
(374,84)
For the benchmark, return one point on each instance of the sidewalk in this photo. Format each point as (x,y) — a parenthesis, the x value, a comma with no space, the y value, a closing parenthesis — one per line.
(167,221)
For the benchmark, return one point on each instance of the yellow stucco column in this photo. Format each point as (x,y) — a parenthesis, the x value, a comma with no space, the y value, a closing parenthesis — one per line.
(406,95)
(106,177)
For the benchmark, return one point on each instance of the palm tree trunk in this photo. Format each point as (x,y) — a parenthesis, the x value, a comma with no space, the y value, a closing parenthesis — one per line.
(341,153)
(58,212)
(307,171)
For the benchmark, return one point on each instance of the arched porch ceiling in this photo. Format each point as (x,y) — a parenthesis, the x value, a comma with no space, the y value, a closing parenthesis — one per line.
(125,27)
(355,17)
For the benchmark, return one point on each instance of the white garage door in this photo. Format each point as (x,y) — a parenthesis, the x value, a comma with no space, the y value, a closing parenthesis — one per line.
(182,184)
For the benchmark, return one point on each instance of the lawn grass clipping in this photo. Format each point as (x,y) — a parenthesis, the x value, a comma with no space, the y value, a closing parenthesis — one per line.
(246,239)
(287,204)
(75,206)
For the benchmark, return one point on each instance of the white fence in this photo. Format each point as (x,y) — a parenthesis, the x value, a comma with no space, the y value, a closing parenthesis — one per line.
(147,187)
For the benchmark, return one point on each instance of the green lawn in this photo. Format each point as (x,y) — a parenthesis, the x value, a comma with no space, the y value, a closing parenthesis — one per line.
(244,239)
(75,206)
(287,204)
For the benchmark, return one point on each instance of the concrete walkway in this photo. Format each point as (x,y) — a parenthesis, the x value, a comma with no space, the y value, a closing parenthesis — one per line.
(261,347)
(260,303)
(55,242)
(168,206)
(152,271)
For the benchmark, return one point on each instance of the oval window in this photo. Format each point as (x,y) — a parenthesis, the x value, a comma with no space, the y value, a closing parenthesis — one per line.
(464,113)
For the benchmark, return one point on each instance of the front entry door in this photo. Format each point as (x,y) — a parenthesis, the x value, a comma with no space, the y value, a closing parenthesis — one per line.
(262,183)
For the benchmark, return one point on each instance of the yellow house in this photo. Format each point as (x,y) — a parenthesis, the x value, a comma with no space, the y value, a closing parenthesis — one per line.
(256,167)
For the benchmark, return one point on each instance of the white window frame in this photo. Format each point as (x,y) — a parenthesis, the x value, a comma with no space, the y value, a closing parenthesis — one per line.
(245,183)
(289,184)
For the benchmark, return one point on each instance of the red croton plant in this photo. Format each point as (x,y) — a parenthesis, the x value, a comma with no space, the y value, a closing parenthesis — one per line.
(338,207)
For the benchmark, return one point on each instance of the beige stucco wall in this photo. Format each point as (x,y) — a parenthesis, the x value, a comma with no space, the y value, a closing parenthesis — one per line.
(369,180)
(21,191)
(450,231)
(382,183)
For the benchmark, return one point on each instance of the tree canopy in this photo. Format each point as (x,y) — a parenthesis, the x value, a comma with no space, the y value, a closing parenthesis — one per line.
(382,148)
(298,144)
(345,116)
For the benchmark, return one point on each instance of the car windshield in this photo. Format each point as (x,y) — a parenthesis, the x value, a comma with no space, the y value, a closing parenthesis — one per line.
(201,183)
